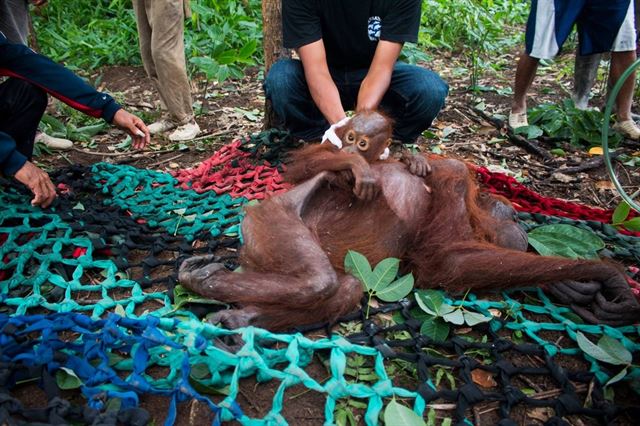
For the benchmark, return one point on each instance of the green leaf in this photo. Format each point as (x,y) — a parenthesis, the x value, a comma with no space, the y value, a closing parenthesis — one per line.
(633,224)
(182,297)
(200,371)
(384,273)
(398,415)
(617,377)
(621,212)
(615,349)
(558,152)
(565,240)
(67,379)
(435,328)
(531,131)
(430,301)
(596,351)
(473,318)
(396,290)
(454,317)
(358,266)
(114,404)
(248,49)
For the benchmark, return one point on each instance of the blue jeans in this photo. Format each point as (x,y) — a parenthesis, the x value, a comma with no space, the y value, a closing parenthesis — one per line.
(414,98)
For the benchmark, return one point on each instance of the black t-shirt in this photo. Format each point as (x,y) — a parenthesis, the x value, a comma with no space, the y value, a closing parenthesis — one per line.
(350,29)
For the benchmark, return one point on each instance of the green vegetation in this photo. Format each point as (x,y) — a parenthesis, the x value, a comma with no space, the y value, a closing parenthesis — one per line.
(225,36)
(222,37)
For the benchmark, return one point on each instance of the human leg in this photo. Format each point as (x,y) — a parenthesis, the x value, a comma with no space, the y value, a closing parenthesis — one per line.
(610,25)
(144,41)
(166,20)
(548,26)
(286,87)
(414,99)
(21,107)
(525,74)
(584,77)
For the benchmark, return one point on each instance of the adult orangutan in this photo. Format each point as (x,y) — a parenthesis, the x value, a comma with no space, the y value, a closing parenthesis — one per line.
(446,233)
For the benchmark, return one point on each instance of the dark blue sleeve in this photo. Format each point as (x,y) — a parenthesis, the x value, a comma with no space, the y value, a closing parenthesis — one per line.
(10,159)
(17,60)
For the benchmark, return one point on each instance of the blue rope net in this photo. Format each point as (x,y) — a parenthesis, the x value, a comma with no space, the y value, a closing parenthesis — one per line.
(110,249)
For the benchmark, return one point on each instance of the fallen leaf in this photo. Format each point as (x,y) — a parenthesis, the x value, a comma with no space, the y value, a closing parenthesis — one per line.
(561,177)
(174,165)
(605,184)
(486,130)
(596,150)
(483,378)
(541,413)
(496,313)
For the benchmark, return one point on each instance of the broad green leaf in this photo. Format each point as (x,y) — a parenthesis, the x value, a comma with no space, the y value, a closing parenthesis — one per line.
(531,131)
(454,317)
(633,224)
(200,371)
(384,273)
(431,417)
(398,415)
(621,212)
(182,297)
(617,377)
(565,240)
(615,349)
(435,328)
(558,152)
(358,266)
(396,290)
(66,378)
(473,318)
(596,351)
(430,301)
(248,49)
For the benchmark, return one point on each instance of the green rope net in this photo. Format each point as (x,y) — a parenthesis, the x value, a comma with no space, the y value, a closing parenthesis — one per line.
(113,243)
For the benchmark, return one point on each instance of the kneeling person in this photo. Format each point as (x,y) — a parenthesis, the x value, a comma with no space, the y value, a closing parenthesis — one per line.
(349,60)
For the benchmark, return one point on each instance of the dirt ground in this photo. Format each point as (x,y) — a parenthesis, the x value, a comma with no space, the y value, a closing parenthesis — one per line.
(234,109)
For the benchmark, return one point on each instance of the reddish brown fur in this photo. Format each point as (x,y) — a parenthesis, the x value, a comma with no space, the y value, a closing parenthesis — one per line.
(451,237)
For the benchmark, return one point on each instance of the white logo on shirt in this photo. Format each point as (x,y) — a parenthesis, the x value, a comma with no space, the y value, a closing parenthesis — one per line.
(373,28)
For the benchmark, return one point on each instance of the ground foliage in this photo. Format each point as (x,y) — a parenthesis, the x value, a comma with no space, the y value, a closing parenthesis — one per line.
(471,43)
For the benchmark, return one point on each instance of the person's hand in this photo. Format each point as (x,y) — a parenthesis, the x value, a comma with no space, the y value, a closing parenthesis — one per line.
(134,126)
(38,2)
(38,182)
(331,135)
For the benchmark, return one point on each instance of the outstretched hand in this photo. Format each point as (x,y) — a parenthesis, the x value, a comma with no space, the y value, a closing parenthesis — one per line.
(38,182)
(134,126)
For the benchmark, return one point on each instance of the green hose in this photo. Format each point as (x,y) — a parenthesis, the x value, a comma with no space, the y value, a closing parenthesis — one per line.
(605,136)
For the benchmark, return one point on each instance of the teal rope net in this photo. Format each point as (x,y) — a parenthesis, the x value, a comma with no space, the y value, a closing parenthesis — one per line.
(112,246)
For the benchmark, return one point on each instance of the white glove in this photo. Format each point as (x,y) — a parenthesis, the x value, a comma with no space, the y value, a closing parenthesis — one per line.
(330,134)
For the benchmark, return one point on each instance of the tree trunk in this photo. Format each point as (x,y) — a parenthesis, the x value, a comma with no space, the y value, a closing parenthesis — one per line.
(272,46)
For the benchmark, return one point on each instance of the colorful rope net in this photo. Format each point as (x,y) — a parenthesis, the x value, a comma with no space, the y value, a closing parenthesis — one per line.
(88,294)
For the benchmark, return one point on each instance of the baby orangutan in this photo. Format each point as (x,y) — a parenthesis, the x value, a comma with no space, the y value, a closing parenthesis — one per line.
(448,236)
(364,140)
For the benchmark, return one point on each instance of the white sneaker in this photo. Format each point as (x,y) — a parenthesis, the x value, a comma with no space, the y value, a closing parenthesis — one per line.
(186,132)
(517,120)
(161,126)
(628,129)
(53,143)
